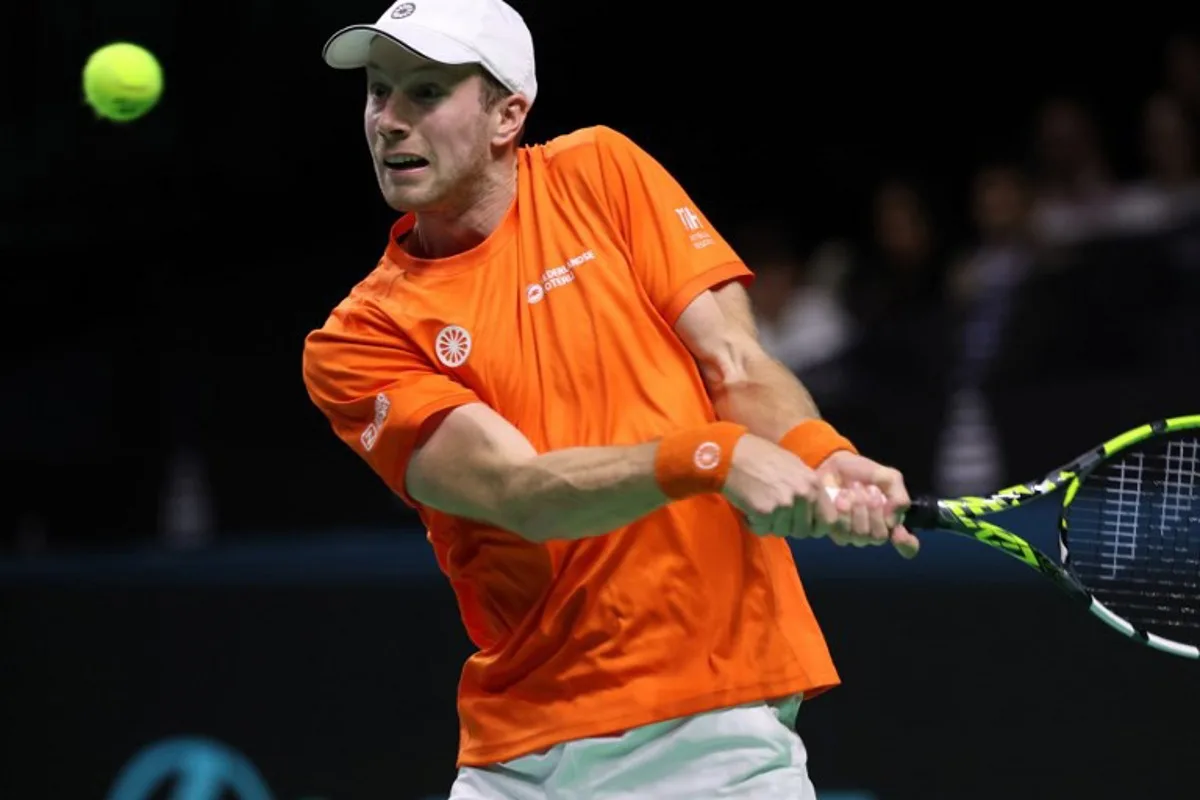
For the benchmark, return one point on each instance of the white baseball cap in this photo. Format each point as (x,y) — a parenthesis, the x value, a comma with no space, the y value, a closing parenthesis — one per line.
(486,32)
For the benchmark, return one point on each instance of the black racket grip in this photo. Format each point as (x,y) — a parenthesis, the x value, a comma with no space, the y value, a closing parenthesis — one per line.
(923,513)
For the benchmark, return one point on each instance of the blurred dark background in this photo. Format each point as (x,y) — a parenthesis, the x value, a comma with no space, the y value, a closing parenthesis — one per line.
(978,242)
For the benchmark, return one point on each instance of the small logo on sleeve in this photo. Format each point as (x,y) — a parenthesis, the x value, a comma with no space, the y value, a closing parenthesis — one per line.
(692,223)
(371,434)
(689,218)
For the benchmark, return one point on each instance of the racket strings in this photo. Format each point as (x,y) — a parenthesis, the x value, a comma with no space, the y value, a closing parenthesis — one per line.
(1133,536)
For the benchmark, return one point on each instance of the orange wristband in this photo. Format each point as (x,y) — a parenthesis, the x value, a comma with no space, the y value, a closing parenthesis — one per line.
(814,440)
(696,461)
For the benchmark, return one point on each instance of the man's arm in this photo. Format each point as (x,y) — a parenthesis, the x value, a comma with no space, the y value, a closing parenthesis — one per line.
(751,388)
(477,465)
(745,383)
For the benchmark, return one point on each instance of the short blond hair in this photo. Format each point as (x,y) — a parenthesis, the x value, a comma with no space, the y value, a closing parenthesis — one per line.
(492,92)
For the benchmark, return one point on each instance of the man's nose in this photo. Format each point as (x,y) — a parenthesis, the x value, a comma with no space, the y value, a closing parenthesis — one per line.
(393,122)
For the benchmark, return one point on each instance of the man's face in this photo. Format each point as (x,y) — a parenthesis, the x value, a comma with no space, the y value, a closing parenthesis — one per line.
(429,133)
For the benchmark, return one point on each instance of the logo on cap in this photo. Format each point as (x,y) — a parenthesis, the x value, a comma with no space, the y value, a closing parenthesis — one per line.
(403,10)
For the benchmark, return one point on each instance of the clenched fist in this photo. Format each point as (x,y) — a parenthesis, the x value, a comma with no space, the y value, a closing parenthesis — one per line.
(781,495)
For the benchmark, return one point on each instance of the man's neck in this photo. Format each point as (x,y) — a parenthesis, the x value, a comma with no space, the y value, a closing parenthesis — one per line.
(465,224)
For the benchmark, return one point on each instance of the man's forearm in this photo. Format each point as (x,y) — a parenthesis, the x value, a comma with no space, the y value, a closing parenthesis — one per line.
(580,492)
(763,395)
(476,465)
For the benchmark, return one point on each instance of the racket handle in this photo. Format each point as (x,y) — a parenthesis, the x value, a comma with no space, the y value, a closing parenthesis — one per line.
(923,512)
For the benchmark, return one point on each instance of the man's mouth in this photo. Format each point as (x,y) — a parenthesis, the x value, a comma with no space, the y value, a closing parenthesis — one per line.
(401,163)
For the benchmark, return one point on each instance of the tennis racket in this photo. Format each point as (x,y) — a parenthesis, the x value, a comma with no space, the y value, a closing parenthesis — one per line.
(1128,531)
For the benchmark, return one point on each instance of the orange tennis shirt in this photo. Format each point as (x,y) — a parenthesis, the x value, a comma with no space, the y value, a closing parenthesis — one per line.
(562,322)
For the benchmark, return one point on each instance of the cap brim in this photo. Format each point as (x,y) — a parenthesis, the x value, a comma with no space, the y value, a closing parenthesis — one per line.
(349,48)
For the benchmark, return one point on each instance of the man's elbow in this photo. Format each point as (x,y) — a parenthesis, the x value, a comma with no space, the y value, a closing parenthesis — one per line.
(733,362)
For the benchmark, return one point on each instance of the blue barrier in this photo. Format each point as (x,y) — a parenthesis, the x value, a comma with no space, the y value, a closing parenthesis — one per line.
(379,556)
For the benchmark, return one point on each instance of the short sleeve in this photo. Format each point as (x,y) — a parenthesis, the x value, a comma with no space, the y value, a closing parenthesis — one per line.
(675,250)
(376,388)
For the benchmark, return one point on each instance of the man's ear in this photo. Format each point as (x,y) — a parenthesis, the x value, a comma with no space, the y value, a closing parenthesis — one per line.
(510,119)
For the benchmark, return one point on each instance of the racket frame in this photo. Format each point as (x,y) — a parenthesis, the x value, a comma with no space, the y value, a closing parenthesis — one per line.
(964,516)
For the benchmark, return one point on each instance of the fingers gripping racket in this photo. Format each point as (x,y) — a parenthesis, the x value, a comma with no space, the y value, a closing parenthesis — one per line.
(1128,530)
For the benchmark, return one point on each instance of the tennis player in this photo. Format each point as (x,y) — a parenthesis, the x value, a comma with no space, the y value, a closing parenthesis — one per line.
(555,363)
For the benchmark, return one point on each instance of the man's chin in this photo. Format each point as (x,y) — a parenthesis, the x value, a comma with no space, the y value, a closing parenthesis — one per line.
(406,201)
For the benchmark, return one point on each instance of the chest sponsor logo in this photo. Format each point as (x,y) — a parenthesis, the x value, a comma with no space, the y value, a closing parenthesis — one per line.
(556,277)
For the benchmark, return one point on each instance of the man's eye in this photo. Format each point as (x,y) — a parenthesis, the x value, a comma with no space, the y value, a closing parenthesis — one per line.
(425,92)
(377,90)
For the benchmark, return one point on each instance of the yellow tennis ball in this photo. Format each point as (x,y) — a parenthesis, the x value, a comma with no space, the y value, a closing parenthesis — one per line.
(122,81)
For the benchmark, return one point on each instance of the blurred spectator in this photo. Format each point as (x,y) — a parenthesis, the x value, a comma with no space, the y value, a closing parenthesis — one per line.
(800,316)
(1075,189)
(983,284)
(899,274)
(1170,143)
(1169,192)
(1182,68)
(889,388)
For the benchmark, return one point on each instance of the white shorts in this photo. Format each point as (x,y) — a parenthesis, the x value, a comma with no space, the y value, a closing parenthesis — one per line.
(749,751)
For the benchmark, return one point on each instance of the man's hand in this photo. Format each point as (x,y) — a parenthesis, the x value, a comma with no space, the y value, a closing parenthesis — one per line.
(877,520)
(779,494)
